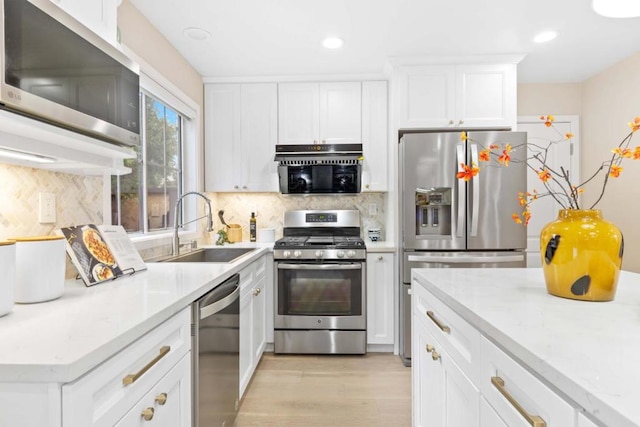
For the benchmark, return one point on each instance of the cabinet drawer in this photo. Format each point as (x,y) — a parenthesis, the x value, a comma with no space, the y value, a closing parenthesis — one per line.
(459,338)
(525,391)
(168,403)
(101,397)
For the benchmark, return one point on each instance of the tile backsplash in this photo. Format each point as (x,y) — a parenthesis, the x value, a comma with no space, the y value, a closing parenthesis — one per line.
(271,207)
(78,201)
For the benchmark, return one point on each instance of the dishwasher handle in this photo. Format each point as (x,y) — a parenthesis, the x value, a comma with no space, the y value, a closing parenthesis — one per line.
(220,298)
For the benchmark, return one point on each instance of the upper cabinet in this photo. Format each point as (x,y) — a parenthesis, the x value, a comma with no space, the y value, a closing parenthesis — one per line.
(375,134)
(100,16)
(463,95)
(240,137)
(320,113)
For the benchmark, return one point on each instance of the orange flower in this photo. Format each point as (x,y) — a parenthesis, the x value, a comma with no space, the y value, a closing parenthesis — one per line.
(467,172)
(484,155)
(615,171)
(635,125)
(516,218)
(626,153)
(568,135)
(493,146)
(636,153)
(548,120)
(463,136)
(505,158)
(544,175)
(527,216)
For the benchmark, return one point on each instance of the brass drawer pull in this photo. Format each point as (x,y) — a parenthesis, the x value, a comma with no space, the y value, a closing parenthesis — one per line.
(429,348)
(443,328)
(533,420)
(132,378)
(161,399)
(147,414)
(435,356)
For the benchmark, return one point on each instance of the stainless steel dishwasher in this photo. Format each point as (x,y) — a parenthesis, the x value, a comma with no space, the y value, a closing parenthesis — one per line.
(216,355)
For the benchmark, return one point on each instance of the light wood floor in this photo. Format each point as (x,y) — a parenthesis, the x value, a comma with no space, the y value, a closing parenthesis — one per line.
(328,391)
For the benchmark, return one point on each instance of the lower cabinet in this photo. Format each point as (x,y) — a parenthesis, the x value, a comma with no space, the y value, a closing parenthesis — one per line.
(488,417)
(380,298)
(442,394)
(252,319)
(151,378)
(168,403)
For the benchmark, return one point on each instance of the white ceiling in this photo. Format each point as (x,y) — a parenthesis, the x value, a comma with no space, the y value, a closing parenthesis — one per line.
(283,37)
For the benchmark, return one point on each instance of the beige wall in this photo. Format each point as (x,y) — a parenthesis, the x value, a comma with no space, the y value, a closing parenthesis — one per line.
(141,37)
(557,99)
(610,101)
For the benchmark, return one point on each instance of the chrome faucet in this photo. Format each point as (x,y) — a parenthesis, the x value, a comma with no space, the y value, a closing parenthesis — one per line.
(175,249)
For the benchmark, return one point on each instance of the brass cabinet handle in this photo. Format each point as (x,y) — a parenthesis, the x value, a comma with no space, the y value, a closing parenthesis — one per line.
(161,399)
(533,420)
(256,292)
(443,328)
(435,355)
(132,378)
(147,414)
(429,348)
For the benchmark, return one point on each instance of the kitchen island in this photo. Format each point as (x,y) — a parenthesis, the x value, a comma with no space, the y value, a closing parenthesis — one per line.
(46,347)
(583,355)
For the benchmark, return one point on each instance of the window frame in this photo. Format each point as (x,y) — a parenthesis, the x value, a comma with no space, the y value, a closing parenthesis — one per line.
(154,84)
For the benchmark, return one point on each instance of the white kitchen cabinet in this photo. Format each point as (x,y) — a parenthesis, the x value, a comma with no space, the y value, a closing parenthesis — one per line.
(584,421)
(168,403)
(465,95)
(128,382)
(252,319)
(320,113)
(442,394)
(100,16)
(240,137)
(375,136)
(380,298)
(488,417)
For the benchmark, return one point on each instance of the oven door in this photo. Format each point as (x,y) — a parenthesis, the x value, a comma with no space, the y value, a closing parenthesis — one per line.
(320,296)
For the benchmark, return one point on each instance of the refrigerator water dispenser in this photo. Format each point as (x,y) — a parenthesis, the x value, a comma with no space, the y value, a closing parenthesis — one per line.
(433,211)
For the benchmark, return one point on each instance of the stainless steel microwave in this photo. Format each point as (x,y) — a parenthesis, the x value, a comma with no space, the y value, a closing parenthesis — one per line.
(319,168)
(56,70)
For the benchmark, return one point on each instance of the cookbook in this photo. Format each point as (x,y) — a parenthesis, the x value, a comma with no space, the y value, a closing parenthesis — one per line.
(101,252)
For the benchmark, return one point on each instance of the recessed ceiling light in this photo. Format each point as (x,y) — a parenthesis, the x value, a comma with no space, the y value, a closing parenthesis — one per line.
(196,33)
(617,8)
(545,36)
(333,42)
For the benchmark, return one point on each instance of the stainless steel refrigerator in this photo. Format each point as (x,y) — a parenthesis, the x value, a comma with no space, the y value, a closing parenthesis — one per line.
(450,223)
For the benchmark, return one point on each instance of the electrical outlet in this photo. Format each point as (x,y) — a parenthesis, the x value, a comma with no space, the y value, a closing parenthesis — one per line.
(373,209)
(46,208)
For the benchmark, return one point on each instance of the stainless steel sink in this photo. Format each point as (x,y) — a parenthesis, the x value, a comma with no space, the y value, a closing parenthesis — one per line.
(208,255)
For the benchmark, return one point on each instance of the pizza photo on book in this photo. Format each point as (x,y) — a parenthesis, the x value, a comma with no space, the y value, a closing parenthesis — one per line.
(101,252)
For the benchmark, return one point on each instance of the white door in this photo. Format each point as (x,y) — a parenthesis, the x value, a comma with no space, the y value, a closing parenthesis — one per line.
(298,113)
(258,335)
(545,210)
(375,136)
(380,298)
(341,113)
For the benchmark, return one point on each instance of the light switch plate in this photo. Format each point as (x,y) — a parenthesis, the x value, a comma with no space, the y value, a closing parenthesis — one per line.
(373,209)
(46,208)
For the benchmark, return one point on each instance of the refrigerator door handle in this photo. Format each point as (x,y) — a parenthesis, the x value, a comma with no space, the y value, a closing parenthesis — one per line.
(475,182)
(461,196)
(465,258)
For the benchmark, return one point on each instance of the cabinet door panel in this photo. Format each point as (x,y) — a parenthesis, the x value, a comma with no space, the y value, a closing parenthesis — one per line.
(222,149)
(488,417)
(486,95)
(298,113)
(428,380)
(340,113)
(259,105)
(427,96)
(246,340)
(375,136)
(380,299)
(259,311)
(98,15)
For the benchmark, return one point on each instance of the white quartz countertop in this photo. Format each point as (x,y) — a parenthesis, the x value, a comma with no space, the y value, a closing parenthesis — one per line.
(589,351)
(60,340)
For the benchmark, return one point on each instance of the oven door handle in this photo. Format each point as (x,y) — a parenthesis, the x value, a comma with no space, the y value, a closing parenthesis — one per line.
(354,266)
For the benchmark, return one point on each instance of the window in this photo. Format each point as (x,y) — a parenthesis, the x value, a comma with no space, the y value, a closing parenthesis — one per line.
(143,200)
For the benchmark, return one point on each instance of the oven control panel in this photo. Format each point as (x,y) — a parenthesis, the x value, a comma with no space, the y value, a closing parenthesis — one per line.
(320,254)
(323,217)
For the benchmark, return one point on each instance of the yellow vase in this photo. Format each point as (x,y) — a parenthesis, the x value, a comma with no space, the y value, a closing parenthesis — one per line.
(581,255)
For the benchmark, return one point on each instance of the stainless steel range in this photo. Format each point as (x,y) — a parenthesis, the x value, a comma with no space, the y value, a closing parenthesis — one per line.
(320,284)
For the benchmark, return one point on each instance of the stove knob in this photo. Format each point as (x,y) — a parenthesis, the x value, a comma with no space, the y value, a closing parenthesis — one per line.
(286,254)
(319,254)
(297,254)
(340,254)
(351,254)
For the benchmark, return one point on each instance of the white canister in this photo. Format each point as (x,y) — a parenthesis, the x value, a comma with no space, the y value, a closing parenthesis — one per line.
(266,235)
(7,283)
(40,265)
